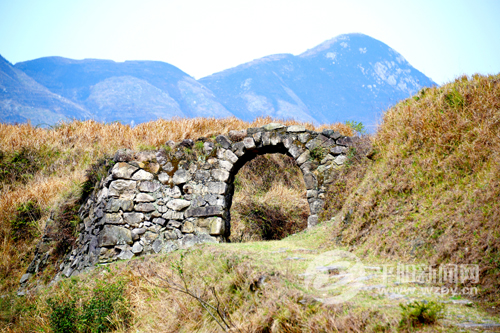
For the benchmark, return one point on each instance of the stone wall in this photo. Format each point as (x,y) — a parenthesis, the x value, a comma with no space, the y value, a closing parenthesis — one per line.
(180,195)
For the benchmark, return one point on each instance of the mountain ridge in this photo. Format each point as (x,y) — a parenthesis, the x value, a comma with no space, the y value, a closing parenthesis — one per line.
(349,77)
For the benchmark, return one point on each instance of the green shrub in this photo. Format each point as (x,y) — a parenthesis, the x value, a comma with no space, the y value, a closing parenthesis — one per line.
(24,225)
(416,313)
(64,317)
(198,145)
(92,315)
(94,174)
(356,126)
(318,153)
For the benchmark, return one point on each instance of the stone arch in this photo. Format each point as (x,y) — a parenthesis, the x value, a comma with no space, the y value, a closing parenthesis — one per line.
(315,153)
(161,201)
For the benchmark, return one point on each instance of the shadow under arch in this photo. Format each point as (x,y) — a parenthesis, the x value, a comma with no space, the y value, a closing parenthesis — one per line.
(316,154)
(261,171)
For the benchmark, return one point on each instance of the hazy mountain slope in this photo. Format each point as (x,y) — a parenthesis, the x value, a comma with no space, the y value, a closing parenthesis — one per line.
(22,99)
(350,77)
(125,91)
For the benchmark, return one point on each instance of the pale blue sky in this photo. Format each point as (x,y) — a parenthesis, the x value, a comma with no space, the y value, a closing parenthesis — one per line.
(443,39)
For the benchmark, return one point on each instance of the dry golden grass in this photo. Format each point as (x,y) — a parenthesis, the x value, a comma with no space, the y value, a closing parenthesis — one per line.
(85,135)
(247,305)
(79,144)
(432,192)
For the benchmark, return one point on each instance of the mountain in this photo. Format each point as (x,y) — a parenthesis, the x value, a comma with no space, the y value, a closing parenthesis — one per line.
(23,99)
(137,91)
(350,77)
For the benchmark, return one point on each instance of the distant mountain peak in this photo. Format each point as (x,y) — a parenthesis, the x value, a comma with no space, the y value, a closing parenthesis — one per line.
(328,44)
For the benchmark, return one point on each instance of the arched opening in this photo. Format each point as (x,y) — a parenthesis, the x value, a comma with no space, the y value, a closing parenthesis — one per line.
(267,196)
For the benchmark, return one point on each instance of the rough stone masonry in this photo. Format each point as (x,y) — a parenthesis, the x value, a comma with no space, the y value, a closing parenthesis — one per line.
(181,195)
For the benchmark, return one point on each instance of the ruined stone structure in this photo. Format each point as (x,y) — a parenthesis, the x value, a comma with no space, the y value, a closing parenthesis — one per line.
(180,195)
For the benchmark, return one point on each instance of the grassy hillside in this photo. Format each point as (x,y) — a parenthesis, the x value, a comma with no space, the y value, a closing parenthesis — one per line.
(432,192)
(426,193)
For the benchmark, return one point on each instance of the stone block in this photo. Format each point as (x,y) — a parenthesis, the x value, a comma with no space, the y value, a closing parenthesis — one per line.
(217,187)
(157,245)
(220,175)
(145,207)
(143,175)
(137,248)
(223,141)
(168,167)
(295,150)
(143,197)
(125,255)
(303,137)
(275,139)
(230,156)
(257,136)
(178,204)
(173,192)
(249,143)
(211,199)
(312,221)
(163,178)
(155,214)
(331,134)
(347,141)
(181,176)
(226,165)
(113,205)
(287,142)
(188,227)
(307,167)
(119,187)
(148,186)
(204,211)
(173,215)
(253,130)
(273,126)
(113,235)
(316,206)
(238,148)
(237,135)
(337,150)
(159,221)
(149,237)
(133,218)
(113,219)
(204,222)
(340,159)
(266,139)
(304,157)
(328,157)
(312,194)
(123,170)
(201,175)
(174,224)
(311,181)
(123,155)
(217,227)
(296,129)
(137,232)
(186,143)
